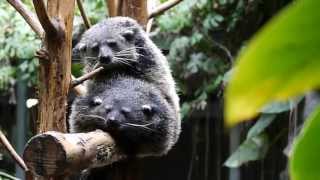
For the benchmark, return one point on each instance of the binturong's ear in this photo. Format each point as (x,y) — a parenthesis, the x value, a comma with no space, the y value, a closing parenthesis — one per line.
(76,52)
(128,35)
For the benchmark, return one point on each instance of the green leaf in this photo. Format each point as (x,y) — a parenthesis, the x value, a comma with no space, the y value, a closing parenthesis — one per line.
(262,123)
(250,150)
(304,162)
(282,61)
(279,107)
(6,176)
(256,144)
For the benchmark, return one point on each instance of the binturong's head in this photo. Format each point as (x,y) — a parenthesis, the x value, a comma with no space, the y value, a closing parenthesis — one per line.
(111,42)
(133,112)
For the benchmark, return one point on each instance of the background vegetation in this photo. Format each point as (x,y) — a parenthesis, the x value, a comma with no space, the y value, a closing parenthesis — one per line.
(203,37)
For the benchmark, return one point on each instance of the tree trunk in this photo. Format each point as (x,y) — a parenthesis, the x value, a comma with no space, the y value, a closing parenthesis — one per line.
(55,72)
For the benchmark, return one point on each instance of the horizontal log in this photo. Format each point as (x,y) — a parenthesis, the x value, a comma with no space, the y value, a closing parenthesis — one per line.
(55,154)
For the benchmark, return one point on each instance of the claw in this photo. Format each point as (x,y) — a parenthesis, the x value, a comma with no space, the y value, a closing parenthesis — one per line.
(42,54)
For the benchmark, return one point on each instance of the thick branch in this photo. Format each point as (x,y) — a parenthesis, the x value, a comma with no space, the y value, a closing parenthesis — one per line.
(48,26)
(28,16)
(83,14)
(54,153)
(112,6)
(54,75)
(119,7)
(136,9)
(85,77)
(4,141)
(163,7)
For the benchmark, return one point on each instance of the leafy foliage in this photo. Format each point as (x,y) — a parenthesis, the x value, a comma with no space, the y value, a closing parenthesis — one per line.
(5,176)
(280,62)
(95,10)
(17,46)
(304,163)
(197,59)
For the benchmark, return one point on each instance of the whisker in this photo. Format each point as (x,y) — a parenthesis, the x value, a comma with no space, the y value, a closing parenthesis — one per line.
(93,116)
(139,126)
(125,59)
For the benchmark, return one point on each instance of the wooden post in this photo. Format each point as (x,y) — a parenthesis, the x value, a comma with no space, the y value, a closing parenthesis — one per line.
(55,73)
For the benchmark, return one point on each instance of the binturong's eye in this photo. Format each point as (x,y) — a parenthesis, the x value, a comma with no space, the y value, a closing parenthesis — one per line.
(95,46)
(112,43)
(96,101)
(128,35)
(81,47)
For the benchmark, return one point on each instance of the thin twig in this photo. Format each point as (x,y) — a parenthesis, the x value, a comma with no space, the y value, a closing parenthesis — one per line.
(151,5)
(149,25)
(83,14)
(29,17)
(163,7)
(225,50)
(80,90)
(4,141)
(48,25)
(85,77)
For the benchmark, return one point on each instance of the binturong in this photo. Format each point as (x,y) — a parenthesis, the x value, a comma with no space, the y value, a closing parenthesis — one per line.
(122,47)
(134,98)
(133,111)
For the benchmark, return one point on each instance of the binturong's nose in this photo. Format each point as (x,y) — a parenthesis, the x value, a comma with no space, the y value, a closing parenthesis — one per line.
(105,59)
(105,55)
(112,122)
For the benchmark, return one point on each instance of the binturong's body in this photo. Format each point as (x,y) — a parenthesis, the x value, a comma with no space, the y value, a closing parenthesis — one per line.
(134,99)
(132,111)
(122,47)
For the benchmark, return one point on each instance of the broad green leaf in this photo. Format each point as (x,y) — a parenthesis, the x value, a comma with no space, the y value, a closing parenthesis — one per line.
(304,162)
(250,150)
(256,144)
(282,61)
(263,122)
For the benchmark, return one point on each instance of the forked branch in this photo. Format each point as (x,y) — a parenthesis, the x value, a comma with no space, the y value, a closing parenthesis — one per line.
(29,17)
(163,7)
(47,24)
(34,23)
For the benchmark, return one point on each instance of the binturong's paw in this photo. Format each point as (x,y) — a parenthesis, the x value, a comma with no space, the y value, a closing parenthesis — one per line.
(42,54)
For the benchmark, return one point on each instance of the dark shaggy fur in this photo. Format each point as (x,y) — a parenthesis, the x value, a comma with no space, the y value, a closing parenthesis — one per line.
(132,111)
(121,46)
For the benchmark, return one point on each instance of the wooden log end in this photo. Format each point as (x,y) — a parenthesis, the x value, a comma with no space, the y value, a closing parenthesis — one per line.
(45,156)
